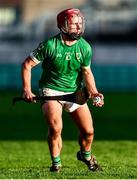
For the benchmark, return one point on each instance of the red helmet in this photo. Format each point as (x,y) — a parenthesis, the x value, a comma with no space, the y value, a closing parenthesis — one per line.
(64,18)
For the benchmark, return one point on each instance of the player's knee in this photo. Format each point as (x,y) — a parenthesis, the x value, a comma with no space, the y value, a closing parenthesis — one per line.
(89,133)
(55,130)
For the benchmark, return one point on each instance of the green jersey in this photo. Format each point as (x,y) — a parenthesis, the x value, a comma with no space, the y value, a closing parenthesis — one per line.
(62,64)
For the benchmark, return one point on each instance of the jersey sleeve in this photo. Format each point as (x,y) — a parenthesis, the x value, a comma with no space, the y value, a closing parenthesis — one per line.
(87,57)
(38,54)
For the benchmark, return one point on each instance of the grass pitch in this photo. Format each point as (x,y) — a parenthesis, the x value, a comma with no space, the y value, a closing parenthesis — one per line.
(24,151)
(31,160)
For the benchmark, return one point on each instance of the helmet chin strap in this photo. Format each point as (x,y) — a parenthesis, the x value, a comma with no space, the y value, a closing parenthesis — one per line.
(72,36)
(75,36)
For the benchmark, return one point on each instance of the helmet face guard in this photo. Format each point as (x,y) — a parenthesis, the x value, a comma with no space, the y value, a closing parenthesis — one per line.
(69,20)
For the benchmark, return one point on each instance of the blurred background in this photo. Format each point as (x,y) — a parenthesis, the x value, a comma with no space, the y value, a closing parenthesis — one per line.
(111,29)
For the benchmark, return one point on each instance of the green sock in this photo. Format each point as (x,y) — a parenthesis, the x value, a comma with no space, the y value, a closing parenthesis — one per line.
(86,154)
(56,160)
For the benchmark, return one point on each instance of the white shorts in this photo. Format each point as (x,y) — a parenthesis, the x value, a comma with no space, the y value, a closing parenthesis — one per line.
(68,106)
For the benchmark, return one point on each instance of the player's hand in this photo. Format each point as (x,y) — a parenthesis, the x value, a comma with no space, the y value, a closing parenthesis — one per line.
(98,100)
(28,96)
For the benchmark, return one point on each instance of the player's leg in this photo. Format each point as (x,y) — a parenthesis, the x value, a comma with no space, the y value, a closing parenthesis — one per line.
(83,120)
(53,114)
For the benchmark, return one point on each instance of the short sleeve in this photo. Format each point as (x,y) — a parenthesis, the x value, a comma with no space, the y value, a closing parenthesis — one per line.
(87,57)
(38,54)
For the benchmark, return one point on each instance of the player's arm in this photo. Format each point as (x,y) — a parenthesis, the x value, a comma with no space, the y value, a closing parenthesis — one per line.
(91,86)
(27,65)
